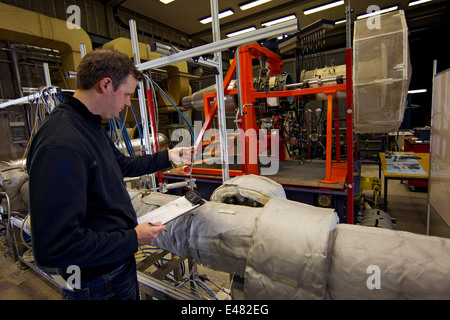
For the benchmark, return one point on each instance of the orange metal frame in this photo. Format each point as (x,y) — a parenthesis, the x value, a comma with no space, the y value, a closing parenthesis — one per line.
(249,96)
(336,171)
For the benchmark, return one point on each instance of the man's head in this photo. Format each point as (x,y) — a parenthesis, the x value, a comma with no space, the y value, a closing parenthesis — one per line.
(105,63)
(108,79)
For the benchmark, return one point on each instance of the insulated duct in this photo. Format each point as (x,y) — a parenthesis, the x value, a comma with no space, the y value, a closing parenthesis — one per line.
(44,31)
(14,182)
(289,250)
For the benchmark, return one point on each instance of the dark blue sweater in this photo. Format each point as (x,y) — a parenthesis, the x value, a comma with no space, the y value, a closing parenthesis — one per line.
(81,212)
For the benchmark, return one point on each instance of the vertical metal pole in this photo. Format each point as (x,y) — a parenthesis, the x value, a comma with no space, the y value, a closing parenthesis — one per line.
(349,112)
(241,118)
(238,77)
(48,80)
(220,93)
(16,70)
(431,148)
(336,130)
(141,96)
(348,25)
(151,111)
(329,145)
(82,50)
(250,127)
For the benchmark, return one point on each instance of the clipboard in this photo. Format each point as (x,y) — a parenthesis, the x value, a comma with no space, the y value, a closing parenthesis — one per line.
(173,209)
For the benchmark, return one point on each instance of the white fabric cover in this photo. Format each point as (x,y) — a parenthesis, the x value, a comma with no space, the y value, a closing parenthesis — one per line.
(220,236)
(412,266)
(291,250)
(12,178)
(255,187)
(288,258)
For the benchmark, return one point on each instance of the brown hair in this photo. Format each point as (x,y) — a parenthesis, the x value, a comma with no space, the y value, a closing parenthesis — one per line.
(101,63)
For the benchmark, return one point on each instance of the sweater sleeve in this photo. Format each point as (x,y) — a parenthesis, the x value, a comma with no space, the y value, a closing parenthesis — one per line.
(58,182)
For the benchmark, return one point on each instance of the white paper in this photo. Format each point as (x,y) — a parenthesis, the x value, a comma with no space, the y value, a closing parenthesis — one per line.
(168,212)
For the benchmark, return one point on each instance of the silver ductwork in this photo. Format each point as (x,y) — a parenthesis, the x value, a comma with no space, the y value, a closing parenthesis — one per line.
(195,101)
(163,143)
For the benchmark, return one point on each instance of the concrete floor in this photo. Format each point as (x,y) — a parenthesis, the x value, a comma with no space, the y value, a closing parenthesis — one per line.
(409,208)
(17,283)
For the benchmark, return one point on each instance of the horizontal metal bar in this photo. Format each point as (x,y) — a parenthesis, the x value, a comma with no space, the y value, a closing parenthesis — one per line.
(318,81)
(29,98)
(165,289)
(287,93)
(221,45)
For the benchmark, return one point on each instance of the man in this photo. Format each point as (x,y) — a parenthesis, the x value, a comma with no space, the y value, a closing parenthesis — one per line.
(81,213)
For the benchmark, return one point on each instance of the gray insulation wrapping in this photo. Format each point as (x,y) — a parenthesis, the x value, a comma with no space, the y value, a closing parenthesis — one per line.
(258,188)
(12,179)
(412,266)
(215,235)
(174,239)
(220,236)
(289,254)
(290,250)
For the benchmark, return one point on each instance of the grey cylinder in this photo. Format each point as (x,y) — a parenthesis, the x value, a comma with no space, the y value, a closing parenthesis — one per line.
(195,101)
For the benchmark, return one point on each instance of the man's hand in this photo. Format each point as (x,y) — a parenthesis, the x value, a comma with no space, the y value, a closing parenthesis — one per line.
(181,155)
(147,233)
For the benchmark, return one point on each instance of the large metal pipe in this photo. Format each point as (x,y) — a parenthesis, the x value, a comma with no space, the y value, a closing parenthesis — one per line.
(195,101)
(136,144)
(330,75)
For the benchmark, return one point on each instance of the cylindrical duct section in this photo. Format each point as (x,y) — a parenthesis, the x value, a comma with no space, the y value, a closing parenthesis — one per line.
(195,101)
(136,144)
(326,76)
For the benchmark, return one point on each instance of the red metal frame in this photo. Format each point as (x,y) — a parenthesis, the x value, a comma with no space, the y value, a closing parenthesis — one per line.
(335,171)
(250,118)
(349,110)
(151,112)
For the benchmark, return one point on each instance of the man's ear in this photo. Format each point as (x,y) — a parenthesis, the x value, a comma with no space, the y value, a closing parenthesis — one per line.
(105,83)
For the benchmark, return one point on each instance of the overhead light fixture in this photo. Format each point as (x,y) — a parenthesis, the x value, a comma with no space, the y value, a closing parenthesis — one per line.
(236,33)
(287,18)
(340,21)
(166,1)
(417,91)
(323,7)
(223,14)
(377,12)
(413,3)
(252,4)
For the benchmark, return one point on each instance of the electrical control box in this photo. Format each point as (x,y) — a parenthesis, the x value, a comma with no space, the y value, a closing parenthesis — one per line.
(19,132)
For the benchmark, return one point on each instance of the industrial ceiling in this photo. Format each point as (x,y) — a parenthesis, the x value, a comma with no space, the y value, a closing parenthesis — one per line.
(185,15)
